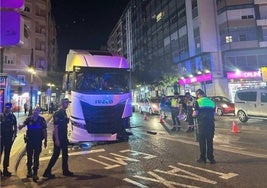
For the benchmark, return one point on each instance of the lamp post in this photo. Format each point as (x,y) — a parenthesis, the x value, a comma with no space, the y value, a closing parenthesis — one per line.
(32,72)
(50,95)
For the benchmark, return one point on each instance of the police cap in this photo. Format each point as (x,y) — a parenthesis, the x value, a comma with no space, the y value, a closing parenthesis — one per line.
(8,105)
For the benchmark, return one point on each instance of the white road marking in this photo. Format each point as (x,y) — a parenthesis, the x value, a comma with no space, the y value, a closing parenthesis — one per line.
(135,183)
(119,159)
(161,180)
(74,153)
(222,175)
(107,166)
(189,175)
(135,153)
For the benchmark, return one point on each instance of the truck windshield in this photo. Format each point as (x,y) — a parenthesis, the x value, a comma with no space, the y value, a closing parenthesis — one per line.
(101,80)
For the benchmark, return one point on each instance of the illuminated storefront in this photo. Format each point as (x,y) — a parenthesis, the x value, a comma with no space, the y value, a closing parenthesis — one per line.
(242,80)
(195,82)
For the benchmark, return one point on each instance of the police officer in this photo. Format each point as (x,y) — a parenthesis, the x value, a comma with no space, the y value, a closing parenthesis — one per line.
(8,135)
(204,110)
(189,103)
(176,109)
(60,141)
(36,132)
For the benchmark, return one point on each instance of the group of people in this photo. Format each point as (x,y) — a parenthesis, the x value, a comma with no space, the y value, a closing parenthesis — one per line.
(180,106)
(200,114)
(203,109)
(35,138)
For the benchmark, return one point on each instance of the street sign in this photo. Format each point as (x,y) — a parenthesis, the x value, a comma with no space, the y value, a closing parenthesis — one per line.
(10,28)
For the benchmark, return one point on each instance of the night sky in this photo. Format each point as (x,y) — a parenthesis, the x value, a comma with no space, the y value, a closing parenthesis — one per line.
(84,24)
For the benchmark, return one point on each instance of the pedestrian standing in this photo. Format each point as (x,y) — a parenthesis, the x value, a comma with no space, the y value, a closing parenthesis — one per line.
(189,102)
(36,133)
(60,139)
(204,110)
(176,109)
(8,135)
(26,108)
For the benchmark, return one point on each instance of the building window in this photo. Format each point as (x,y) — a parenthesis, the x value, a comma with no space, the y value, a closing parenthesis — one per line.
(242,37)
(21,78)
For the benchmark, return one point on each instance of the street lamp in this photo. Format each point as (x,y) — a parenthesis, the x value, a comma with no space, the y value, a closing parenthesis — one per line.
(32,72)
(50,95)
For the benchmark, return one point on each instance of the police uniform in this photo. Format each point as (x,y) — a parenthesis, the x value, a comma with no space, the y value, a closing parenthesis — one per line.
(205,109)
(189,102)
(8,134)
(61,120)
(34,137)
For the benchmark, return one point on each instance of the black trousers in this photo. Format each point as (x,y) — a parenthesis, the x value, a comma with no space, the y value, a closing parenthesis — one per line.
(206,140)
(56,151)
(175,119)
(6,144)
(33,154)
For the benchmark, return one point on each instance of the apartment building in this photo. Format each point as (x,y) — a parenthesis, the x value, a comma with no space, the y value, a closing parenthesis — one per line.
(203,41)
(36,49)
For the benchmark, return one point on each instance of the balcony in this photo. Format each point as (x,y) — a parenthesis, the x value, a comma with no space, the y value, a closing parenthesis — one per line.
(262,22)
(263,44)
(257,2)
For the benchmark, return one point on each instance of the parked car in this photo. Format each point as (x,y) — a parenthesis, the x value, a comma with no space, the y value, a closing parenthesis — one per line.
(223,105)
(251,103)
(149,105)
(165,107)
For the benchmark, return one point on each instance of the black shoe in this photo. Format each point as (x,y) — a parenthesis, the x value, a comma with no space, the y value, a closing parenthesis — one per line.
(201,161)
(6,173)
(35,178)
(188,130)
(29,174)
(68,173)
(212,161)
(49,175)
(173,129)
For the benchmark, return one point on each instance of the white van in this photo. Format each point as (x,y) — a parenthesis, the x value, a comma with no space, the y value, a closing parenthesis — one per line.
(251,103)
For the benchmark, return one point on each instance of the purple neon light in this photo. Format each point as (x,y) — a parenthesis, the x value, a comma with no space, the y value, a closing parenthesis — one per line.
(199,78)
(242,74)
(10,28)
(12,3)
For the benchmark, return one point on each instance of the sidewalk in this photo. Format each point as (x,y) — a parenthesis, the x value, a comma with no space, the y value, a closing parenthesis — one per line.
(17,152)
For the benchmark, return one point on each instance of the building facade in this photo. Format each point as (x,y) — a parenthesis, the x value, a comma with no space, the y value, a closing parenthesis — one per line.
(204,42)
(36,49)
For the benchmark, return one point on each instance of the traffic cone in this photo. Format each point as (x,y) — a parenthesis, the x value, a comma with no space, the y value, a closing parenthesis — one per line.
(145,116)
(235,128)
(161,119)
